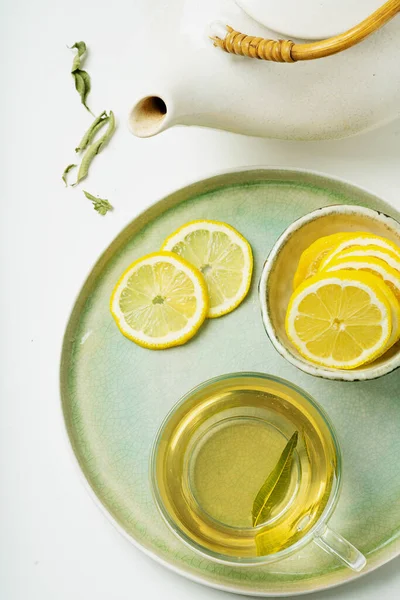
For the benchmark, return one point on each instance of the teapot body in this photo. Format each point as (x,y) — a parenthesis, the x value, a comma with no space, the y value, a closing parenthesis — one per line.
(194,83)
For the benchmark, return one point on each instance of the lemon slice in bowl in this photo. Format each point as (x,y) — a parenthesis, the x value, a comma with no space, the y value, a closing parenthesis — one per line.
(160,301)
(224,257)
(361,240)
(322,251)
(389,256)
(340,320)
(311,258)
(374,265)
(395,312)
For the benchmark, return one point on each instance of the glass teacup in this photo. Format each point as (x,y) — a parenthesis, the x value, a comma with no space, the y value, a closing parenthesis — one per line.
(246,470)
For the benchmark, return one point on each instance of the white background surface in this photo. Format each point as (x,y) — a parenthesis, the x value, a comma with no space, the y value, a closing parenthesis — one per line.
(54,543)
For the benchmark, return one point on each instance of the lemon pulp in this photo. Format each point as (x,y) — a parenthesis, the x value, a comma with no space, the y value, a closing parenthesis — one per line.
(223,256)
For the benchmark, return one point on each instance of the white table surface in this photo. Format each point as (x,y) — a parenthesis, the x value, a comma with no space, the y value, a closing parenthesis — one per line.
(54,543)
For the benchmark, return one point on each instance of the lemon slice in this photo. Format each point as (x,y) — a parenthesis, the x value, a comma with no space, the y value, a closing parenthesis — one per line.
(222,255)
(312,257)
(377,266)
(361,239)
(323,250)
(340,320)
(160,301)
(395,312)
(389,281)
(388,256)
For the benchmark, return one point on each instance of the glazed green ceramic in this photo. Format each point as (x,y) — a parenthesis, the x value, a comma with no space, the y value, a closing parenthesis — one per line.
(115,394)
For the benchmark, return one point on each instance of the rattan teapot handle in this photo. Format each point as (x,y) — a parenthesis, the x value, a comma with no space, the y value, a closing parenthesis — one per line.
(235,42)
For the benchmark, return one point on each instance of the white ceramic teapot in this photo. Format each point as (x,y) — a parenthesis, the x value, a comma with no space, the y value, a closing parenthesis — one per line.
(195,82)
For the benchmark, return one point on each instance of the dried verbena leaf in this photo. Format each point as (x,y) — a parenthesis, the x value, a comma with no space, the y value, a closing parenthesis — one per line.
(100,204)
(90,134)
(81,47)
(82,85)
(276,485)
(66,171)
(81,77)
(79,83)
(76,63)
(97,129)
(86,80)
(95,148)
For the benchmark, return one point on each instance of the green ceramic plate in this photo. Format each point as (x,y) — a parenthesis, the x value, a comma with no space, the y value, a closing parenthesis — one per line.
(116,394)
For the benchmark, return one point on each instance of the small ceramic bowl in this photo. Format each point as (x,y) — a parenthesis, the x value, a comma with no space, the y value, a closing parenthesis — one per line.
(276,283)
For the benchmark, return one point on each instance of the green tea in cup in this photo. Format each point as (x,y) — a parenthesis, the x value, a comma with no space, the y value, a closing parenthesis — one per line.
(246,468)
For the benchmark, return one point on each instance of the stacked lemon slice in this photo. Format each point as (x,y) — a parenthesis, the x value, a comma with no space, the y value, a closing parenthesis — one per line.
(203,270)
(345,308)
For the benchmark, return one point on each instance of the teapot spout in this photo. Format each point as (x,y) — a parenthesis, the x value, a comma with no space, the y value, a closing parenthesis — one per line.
(149,115)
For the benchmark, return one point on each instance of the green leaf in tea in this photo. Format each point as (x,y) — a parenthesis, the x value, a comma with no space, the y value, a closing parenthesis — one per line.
(81,77)
(276,485)
(65,173)
(95,148)
(100,204)
(90,134)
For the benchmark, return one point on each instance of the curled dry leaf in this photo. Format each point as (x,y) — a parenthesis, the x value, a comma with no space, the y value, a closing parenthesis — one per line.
(95,148)
(65,173)
(100,204)
(81,77)
(90,134)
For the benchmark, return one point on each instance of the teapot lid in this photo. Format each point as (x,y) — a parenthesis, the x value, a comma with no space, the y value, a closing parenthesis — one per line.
(309,19)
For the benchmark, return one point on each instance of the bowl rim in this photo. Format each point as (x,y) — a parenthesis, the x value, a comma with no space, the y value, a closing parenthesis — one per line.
(302,364)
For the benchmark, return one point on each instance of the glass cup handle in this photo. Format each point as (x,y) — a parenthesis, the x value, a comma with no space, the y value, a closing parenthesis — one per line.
(335,544)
